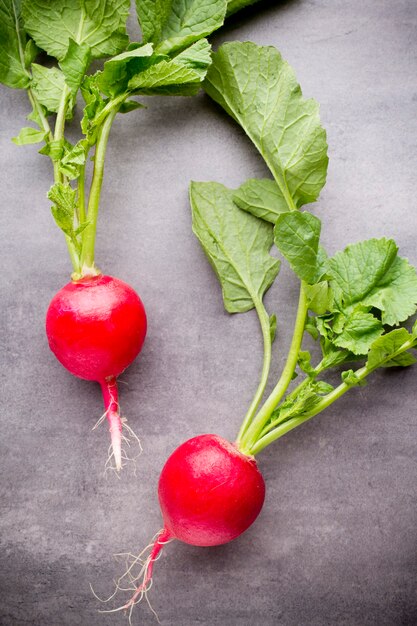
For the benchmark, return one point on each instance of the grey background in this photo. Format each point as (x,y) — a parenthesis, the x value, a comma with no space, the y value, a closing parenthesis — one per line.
(336,540)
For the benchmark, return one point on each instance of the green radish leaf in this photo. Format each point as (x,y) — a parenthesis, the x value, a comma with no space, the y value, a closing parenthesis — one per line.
(236,244)
(197,57)
(405,359)
(372,286)
(74,65)
(48,83)
(262,198)
(319,297)
(297,237)
(81,228)
(167,78)
(94,101)
(152,14)
(383,350)
(359,332)
(13,71)
(351,378)
(31,52)
(94,105)
(54,149)
(119,70)
(99,24)
(181,76)
(259,90)
(323,388)
(333,356)
(172,25)
(370,273)
(73,159)
(307,398)
(29,135)
(311,328)
(63,209)
(304,363)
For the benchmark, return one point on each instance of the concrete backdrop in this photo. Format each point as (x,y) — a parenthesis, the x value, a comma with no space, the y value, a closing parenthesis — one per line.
(336,541)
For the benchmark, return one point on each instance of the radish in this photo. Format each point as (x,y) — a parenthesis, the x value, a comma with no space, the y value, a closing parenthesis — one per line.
(209,494)
(96,327)
(211,491)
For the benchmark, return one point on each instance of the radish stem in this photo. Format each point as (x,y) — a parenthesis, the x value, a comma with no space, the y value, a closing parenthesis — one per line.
(254,431)
(62,114)
(87,255)
(266,334)
(81,195)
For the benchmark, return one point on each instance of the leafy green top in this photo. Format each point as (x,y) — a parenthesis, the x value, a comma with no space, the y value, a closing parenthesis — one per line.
(171,60)
(349,302)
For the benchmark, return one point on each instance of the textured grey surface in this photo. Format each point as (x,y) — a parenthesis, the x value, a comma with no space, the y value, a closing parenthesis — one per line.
(336,541)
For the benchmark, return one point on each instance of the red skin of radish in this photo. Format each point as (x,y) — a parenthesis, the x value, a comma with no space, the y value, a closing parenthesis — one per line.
(96,327)
(209,494)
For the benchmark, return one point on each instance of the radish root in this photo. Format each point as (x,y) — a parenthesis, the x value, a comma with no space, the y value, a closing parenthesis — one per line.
(128,441)
(120,442)
(138,575)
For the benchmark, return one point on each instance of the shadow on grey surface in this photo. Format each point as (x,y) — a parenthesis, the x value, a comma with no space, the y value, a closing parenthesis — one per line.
(258,8)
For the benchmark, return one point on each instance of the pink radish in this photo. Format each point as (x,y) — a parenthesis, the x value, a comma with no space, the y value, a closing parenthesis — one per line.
(209,493)
(96,327)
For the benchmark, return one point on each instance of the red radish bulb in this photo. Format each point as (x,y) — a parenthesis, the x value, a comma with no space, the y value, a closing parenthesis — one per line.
(209,493)
(96,327)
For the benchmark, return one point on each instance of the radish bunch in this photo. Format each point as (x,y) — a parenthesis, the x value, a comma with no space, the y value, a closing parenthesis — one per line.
(353,304)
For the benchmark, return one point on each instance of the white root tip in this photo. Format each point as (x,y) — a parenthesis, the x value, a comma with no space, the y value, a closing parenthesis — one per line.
(123,442)
(116,442)
(115,427)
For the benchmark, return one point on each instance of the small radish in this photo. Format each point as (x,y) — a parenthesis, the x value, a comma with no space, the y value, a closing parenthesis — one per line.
(209,493)
(64,38)
(96,327)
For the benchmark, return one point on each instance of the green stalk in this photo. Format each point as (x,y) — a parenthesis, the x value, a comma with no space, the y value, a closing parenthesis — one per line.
(327,400)
(266,334)
(35,104)
(59,133)
(62,114)
(81,195)
(89,235)
(254,431)
(251,428)
(58,177)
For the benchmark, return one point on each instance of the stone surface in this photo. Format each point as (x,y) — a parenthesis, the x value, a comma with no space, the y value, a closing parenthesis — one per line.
(336,541)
